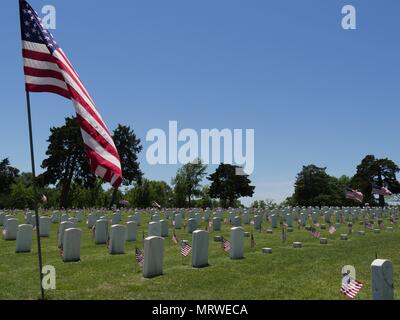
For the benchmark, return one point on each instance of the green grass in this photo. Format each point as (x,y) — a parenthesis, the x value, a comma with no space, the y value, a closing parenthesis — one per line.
(313,272)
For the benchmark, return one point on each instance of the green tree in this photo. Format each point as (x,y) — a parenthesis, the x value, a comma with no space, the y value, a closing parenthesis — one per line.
(187,183)
(128,147)
(381,172)
(66,162)
(142,195)
(21,196)
(228,186)
(8,175)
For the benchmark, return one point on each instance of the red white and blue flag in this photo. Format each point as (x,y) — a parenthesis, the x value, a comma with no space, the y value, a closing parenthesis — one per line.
(382,191)
(186,249)
(350,287)
(47,69)
(354,195)
(139,257)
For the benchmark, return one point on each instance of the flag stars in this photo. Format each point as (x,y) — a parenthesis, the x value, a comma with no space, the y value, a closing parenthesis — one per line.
(26,23)
(27,34)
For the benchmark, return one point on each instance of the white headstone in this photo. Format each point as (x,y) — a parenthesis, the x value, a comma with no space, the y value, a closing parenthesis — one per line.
(199,249)
(11,229)
(79,216)
(74,222)
(382,280)
(72,245)
(131,231)
(91,220)
(216,224)
(116,218)
(153,257)
(237,221)
(63,226)
(64,217)
(154,229)
(237,243)
(192,225)
(55,218)
(101,232)
(44,226)
(24,238)
(164,228)
(117,239)
(178,221)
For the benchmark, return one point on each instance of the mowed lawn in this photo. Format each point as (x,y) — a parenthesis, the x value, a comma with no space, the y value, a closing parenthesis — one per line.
(313,272)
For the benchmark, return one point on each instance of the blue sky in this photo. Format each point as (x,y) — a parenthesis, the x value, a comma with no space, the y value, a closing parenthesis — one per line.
(313,92)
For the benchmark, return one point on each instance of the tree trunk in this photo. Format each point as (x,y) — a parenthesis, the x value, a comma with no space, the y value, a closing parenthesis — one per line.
(381,198)
(113,198)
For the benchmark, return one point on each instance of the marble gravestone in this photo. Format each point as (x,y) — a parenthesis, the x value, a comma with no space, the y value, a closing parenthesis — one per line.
(91,220)
(164,228)
(72,245)
(101,232)
(131,231)
(24,238)
(237,243)
(216,224)
(117,239)
(192,225)
(44,227)
(382,280)
(200,240)
(63,226)
(154,229)
(178,221)
(153,257)
(11,229)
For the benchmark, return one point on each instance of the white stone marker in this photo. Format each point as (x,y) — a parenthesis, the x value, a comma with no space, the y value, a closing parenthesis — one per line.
(131,231)
(323,241)
(153,257)
(247,218)
(200,249)
(117,239)
(138,218)
(24,238)
(154,229)
(237,221)
(192,225)
(289,220)
(101,232)
(274,221)
(257,222)
(64,217)
(216,224)
(267,250)
(72,245)
(11,229)
(55,218)
(91,220)
(79,216)
(297,245)
(116,218)
(74,222)
(63,226)
(44,227)
(29,218)
(2,216)
(178,221)
(237,243)
(164,228)
(6,218)
(155,217)
(382,280)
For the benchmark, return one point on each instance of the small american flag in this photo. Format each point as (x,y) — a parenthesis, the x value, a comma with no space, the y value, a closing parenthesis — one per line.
(392,220)
(369,225)
(93,232)
(175,239)
(226,245)
(382,225)
(332,230)
(350,287)
(139,257)
(186,249)
(210,224)
(316,234)
(284,235)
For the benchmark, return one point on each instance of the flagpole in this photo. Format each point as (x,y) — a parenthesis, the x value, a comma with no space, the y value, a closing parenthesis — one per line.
(35,194)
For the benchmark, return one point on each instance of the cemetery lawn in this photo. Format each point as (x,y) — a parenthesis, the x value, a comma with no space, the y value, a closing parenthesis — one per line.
(313,272)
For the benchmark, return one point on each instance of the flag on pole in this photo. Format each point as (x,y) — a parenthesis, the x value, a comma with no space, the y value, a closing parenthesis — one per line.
(356,195)
(350,287)
(332,230)
(47,69)
(382,191)
(139,257)
(315,233)
(185,249)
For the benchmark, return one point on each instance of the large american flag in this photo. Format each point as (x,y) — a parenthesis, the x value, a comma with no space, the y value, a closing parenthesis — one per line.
(350,287)
(383,191)
(354,195)
(47,69)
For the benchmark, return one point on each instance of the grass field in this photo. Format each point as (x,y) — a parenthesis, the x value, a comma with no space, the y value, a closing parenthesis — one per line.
(313,272)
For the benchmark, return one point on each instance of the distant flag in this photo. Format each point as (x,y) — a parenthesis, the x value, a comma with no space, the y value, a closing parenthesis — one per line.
(47,69)
(354,195)
(382,225)
(210,224)
(253,242)
(350,287)
(93,232)
(175,239)
(284,235)
(226,245)
(139,257)
(185,249)
(332,230)
(369,225)
(382,191)
(317,225)
(44,199)
(392,220)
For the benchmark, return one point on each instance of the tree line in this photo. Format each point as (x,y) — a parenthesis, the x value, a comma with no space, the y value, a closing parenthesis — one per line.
(66,181)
